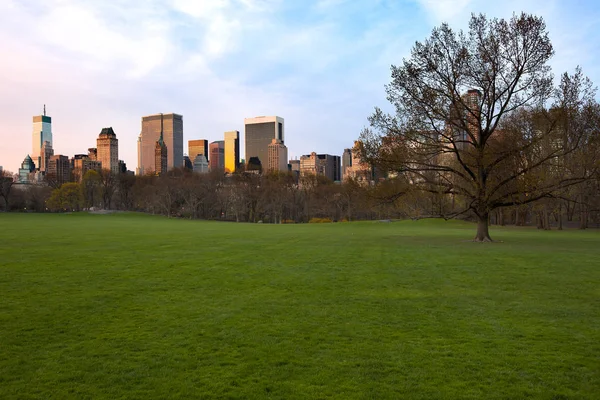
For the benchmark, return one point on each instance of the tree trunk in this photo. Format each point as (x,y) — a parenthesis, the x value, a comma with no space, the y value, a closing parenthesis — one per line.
(546,219)
(560,217)
(483,233)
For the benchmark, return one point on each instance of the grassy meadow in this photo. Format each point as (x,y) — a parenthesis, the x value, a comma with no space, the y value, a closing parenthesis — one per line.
(129,306)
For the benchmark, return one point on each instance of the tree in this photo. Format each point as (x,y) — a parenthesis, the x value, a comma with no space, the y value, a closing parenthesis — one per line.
(6,183)
(108,186)
(470,121)
(90,185)
(68,197)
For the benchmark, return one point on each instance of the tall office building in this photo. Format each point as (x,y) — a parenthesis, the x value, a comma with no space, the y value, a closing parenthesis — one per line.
(321,164)
(59,169)
(42,132)
(108,150)
(171,127)
(217,155)
(27,170)
(259,133)
(232,151)
(346,163)
(45,153)
(200,164)
(82,163)
(466,114)
(277,161)
(196,147)
(140,165)
(161,156)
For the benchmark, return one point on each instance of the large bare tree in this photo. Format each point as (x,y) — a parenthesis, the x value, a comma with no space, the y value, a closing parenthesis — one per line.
(6,183)
(470,117)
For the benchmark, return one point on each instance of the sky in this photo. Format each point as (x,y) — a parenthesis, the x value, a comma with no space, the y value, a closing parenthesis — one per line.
(322,65)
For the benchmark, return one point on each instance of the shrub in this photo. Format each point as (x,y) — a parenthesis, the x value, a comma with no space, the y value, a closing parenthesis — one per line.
(319,221)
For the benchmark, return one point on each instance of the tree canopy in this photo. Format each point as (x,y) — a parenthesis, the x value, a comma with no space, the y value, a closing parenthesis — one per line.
(477,117)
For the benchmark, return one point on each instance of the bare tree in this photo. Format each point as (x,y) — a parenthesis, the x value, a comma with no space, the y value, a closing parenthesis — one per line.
(465,117)
(6,183)
(108,186)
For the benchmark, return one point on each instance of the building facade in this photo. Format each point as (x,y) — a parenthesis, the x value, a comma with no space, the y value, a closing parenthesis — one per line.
(217,155)
(42,132)
(82,163)
(27,170)
(171,128)
(200,164)
(196,147)
(59,169)
(161,157)
(107,146)
(277,157)
(45,153)
(259,132)
(321,164)
(346,163)
(232,151)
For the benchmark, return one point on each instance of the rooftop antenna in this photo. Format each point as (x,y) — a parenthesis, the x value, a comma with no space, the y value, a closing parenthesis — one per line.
(44,110)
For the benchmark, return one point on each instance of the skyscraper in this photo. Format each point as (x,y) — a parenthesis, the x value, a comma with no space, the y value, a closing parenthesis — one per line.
(232,151)
(26,170)
(217,155)
(259,133)
(196,147)
(346,163)
(160,156)
(200,164)
(321,164)
(108,150)
(277,161)
(171,127)
(45,153)
(42,132)
(59,169)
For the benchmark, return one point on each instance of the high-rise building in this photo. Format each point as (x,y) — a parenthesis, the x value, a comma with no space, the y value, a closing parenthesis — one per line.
(108,150)
(161,157)
(277,156)
(171,127)
(359,170)
(200,164)
(45,153)
(140,165)
(321,164)
(82,163)
(59,169)
(26,171)
(196,147)
(42,132)
(337,170)
(346,163)
(259,133)
(93,154)
(217,155)
(232,151)
(187,162)
(465,115)
(308,164)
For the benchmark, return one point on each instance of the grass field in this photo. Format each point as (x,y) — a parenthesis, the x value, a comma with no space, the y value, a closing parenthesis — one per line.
(134,306)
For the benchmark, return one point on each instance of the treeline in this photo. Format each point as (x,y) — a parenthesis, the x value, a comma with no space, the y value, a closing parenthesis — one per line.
(282,198)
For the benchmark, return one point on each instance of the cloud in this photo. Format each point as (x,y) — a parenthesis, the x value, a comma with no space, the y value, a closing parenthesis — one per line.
(321,65)
(445,10)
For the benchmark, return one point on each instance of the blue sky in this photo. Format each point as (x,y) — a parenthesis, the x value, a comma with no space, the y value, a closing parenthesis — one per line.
(322,65)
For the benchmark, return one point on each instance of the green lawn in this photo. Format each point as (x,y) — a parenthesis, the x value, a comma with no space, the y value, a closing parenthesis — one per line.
(134,306)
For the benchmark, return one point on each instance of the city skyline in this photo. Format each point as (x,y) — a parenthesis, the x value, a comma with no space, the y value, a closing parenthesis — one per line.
(96,65)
